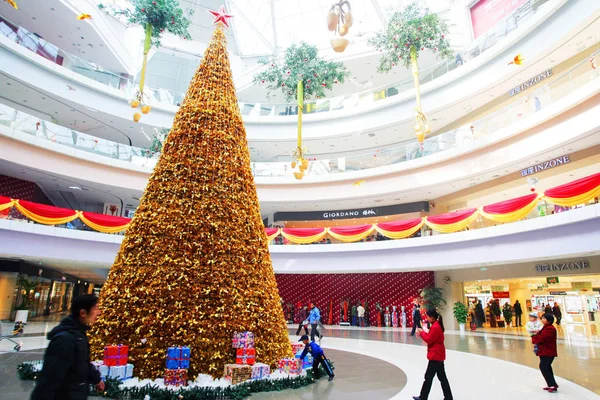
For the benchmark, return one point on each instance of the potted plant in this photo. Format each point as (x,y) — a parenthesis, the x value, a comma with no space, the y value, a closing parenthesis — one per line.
(507,313)
(433,297)
(27,287)
(461,312)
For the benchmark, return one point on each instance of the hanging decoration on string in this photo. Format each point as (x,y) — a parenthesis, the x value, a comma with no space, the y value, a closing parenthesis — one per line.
(12,3)
(156,17)
(518,60)
(339,21)
(84,16)
(301,75)
(407,34)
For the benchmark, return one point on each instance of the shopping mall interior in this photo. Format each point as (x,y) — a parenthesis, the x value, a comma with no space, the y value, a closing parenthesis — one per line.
(217,178)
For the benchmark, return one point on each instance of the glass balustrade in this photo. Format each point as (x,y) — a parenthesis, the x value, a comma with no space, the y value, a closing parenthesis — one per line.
(536,100)
(128,86)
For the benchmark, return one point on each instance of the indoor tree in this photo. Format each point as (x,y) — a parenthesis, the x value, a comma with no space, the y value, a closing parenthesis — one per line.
(461,312)
(156,17)
(301,74)
(194,265)
(409,32)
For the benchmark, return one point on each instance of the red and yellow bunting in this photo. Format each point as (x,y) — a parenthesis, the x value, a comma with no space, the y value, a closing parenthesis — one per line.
(572,194)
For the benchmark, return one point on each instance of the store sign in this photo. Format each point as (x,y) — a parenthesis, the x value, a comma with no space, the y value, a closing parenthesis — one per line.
(546,165)
(350,214)
(552,280)
(558,293)
(501,295)
(533,81)
(487,13)
(568,266)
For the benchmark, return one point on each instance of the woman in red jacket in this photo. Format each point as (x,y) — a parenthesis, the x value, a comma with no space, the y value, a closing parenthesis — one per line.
(546,341)
(436,354)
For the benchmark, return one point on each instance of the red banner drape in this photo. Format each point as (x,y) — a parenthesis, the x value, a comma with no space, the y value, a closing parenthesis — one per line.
(303,232)
(508,206)
(271,231)
(105,220)
(46,211)
(399,226)
(451,218)
(350,230)
(575,193)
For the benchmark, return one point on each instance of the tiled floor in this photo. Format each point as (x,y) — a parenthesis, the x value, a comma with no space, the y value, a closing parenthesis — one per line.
(380,363)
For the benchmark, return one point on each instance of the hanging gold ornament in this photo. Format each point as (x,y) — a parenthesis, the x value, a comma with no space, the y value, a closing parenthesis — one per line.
(137,117)
(299,160)
(146,109)
(340,20)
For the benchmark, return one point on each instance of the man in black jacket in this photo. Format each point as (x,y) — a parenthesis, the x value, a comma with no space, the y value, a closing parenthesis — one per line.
(67,372)
(518,313)
(416,318)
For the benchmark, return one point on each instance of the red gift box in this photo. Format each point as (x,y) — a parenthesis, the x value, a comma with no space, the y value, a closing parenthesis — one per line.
(297,347)
(116,355)
(176,377)
(245,356)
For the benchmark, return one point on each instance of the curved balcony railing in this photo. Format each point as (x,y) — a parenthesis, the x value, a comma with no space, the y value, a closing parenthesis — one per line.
(128,85)
(545,95)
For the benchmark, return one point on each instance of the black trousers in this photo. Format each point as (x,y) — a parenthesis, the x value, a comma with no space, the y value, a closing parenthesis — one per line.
(314,331)
(518,320)
(320,361)
(558,319)
(416,324)
(300,328)
(435,368)
(546,368)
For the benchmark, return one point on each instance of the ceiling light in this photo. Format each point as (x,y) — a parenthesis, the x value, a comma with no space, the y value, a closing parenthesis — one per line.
(75,187)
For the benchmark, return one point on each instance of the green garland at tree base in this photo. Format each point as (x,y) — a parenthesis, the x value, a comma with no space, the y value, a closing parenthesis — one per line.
(112,390)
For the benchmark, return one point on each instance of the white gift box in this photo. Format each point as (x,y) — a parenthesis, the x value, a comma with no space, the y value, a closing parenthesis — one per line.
(117,372)
(129,371)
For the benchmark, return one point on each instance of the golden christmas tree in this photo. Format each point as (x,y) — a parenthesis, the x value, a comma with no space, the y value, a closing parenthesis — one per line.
(194,266)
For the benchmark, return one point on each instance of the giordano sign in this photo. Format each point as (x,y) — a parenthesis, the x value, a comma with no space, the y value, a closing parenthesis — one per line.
(566,266)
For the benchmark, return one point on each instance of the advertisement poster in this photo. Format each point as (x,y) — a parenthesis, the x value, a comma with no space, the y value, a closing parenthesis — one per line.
(485,14)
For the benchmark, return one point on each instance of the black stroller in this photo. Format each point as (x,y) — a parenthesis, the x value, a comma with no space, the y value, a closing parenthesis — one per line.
(17,331)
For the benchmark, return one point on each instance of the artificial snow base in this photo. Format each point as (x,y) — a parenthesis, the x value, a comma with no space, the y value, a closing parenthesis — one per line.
(202,381)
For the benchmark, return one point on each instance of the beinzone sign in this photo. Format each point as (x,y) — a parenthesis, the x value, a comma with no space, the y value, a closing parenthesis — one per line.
(531,82)
(546,165)
(568,266)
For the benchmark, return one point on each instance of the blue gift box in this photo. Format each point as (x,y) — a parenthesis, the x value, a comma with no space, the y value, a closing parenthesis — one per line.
(178,357)
(307,361)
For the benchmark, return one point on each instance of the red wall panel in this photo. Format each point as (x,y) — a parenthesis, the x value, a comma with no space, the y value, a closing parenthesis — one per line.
(23,190)
(389,289)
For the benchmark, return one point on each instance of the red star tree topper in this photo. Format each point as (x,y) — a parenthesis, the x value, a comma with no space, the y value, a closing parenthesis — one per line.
(221,16)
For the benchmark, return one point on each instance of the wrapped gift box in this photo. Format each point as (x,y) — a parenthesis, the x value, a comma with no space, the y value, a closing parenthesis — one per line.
(117,371)
(237,373)
(307,361)
(290,365)
(176,377)
(103,371)
(178,357)
(129,371)
(260,370)
(243,340)
(297,347)
(245,356)
(115,355)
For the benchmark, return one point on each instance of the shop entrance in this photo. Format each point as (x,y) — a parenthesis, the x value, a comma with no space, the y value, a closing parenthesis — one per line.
(577,297)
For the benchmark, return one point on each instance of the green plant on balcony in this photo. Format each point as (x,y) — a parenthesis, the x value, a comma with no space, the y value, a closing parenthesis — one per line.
(156,17)
(407,33)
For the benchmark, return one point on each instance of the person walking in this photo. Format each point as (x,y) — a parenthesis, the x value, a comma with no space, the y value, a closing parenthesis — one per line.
(546,342)
(416,318)
(518,313)
(318,358)
(302,318)
(67,372)
(313,319)
(548,309)
(557,313)
(436,354)
(360,310)
(479,314)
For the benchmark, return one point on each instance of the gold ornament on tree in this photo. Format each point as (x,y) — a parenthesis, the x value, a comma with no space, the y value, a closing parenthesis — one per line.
(339,21)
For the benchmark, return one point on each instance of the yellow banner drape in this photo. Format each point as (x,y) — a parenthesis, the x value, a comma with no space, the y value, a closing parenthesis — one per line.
(100,228)
(350,238)
(7,205)
(575,200)
(512,216)
(273,236)
(450,228)
(400,234)
(304,240)
(44,220)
